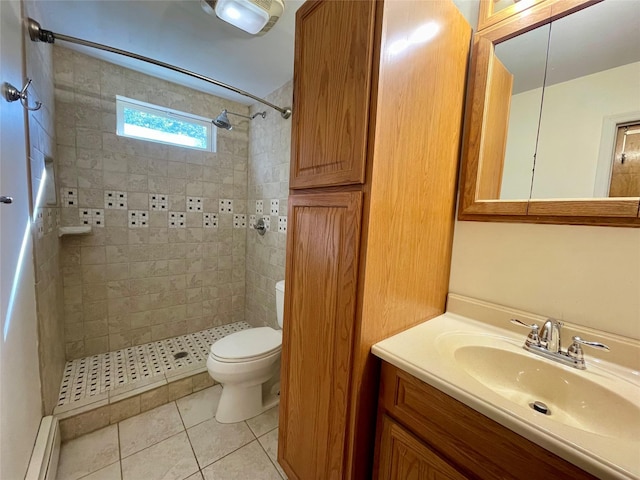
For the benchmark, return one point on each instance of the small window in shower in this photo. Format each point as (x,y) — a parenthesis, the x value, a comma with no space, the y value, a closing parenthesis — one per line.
(163,125)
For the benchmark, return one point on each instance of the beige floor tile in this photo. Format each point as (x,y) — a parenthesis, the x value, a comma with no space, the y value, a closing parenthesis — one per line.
(212,440)
(146,429)
(199,406)
(269,442)
(195,476)
(88,453)
(249,462)
(112,472)
(264,423)
(171,459)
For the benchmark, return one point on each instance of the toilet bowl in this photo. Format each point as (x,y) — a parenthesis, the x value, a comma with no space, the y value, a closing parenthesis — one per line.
(247,364)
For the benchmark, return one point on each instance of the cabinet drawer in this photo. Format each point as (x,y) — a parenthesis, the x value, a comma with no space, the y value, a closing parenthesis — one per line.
(473,443)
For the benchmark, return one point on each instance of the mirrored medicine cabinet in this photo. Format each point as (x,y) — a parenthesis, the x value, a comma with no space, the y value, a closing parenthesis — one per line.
(552,129)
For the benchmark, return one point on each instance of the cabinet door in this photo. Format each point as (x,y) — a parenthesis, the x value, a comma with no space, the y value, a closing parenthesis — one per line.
(404,457)
(332,83)
(322,261)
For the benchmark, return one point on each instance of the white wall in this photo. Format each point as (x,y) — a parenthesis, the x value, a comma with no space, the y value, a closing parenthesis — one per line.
(469,10)
(570,133)
(585,275)
(517,173)
(571,128)
(20,406)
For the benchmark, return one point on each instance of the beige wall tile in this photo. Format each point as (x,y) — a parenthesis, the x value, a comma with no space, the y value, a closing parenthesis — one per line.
(90,421)
(125,286)
(180,388)
(93,255)
(154,398)
(202,381)
(94,346)
(124,409)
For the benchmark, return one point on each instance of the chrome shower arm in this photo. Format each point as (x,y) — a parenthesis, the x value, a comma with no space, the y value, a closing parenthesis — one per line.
(250,117)
(38,34)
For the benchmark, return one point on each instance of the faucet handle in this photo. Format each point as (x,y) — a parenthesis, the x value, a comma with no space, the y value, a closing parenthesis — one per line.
(520,323)
(575,350)
(578,341)
(533,338)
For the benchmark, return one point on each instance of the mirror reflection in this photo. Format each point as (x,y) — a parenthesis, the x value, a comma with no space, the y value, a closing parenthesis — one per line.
(589,138)
(524,59)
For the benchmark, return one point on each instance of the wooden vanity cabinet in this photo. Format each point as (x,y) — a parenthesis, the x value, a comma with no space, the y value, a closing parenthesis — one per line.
(375,146)
(422,430)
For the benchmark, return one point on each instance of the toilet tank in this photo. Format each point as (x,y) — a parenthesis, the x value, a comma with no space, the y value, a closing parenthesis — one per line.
(280,301)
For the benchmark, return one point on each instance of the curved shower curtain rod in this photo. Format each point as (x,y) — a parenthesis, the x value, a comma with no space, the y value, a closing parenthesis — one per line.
(38,34)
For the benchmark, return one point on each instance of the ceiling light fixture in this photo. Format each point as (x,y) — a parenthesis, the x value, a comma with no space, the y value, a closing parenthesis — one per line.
(253,16)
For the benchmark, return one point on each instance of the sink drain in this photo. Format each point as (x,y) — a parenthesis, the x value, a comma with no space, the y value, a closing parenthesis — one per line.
(180,355)
(540,407)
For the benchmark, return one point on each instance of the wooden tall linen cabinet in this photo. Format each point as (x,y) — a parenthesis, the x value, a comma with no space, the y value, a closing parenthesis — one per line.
(378,99)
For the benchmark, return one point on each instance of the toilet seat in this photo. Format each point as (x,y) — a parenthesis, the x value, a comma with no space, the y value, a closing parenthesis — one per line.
(247,345)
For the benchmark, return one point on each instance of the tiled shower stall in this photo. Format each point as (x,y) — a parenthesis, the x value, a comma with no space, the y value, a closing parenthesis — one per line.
(171,261)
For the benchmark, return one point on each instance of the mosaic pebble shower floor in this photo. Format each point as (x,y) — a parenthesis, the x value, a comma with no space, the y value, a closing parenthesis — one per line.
(90,376)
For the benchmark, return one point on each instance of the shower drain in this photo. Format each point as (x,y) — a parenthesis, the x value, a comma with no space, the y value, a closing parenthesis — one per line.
(180,355)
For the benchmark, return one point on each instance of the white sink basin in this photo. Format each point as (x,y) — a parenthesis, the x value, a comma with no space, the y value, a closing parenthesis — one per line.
(594,414)
(572,398)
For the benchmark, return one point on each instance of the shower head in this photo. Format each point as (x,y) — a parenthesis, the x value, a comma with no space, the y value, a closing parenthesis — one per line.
(222,120)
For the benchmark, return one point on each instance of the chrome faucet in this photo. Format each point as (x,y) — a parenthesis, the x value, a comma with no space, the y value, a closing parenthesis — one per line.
(550,335)
(547,343)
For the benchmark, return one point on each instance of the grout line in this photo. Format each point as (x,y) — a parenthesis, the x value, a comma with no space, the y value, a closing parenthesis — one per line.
(120,452)
(155,443)
(226,455)
(250,429)
(101,468)
(119,447)
(267,453)
(186,431)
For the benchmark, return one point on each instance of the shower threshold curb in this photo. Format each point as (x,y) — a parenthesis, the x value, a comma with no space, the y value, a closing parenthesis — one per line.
(120,406)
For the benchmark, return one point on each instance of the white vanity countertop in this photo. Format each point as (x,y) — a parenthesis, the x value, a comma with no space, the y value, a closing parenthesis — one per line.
(607,446)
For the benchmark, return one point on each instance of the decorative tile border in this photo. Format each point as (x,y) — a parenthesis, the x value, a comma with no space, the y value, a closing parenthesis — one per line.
(225,205)
(69,197)
(177,220)
(134,366)
(239,220)
(282,224)
(210,220)
(115,199)
(194,204)
(138,218)
(92,216)
(159,202)
(275,206)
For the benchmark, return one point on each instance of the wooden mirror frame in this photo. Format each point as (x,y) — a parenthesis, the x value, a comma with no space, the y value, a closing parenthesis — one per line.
(487,17)
(481,139)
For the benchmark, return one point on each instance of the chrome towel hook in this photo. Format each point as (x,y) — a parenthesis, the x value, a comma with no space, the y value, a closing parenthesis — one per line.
(11,94)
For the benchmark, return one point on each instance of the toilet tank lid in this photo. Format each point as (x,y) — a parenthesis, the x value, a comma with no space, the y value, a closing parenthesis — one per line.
(280,285)
(249,343)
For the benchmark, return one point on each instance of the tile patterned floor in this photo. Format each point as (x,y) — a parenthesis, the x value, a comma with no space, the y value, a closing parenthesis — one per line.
(177,441)
(90,376)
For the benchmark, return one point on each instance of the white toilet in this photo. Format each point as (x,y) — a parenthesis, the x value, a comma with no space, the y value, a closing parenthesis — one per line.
(247,364)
